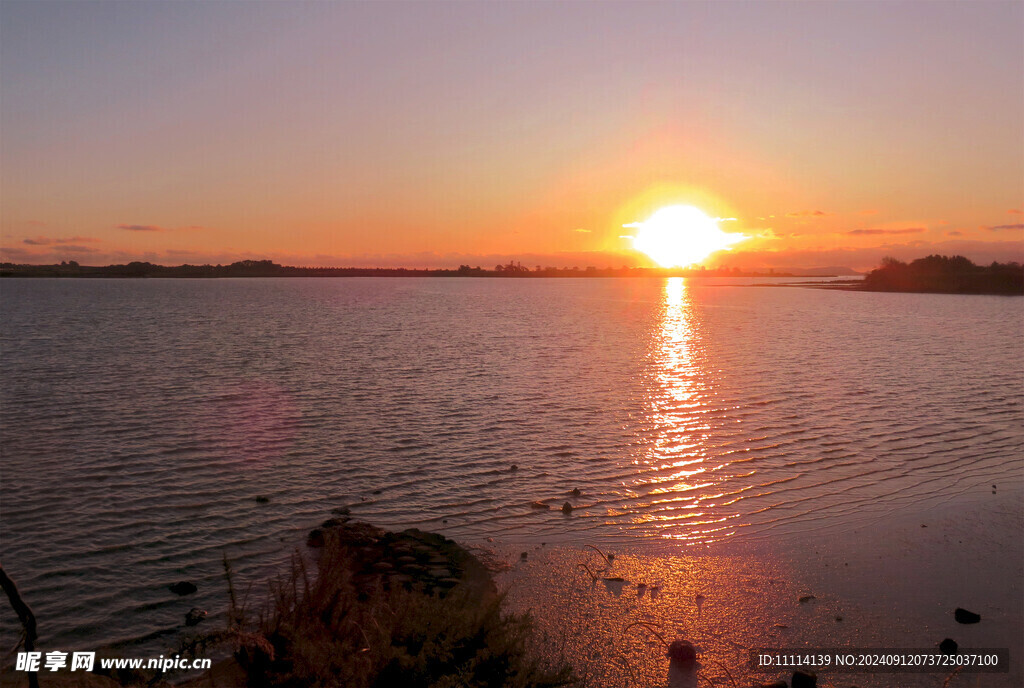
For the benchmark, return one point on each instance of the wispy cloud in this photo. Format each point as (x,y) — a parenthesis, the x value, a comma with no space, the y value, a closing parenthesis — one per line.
(807,213)
(998,228)
(954,233)
(142,228)
(47,241)
(1015,211)
(905,230)
(582,231)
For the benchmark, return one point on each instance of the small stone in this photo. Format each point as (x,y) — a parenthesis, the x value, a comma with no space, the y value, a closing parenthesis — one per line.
(838,619)
(195,616)
(262,499)
(948,646)
(576,492)
(965,617)
(513,468)
(523,556)
(807,598)
(377,491)
(182,588)
(803,678)
(567,508)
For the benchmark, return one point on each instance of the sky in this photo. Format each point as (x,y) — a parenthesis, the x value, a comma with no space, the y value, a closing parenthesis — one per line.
(432,134)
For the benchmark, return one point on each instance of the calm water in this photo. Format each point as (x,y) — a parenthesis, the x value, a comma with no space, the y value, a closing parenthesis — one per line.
(141,418)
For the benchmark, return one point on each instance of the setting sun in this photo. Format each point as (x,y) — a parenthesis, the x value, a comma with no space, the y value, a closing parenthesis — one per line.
(680,235)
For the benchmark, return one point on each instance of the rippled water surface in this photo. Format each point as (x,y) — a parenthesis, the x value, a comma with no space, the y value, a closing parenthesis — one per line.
(141,418)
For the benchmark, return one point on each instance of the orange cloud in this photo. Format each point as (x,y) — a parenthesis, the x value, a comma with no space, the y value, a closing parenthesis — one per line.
(907,230)
(142,228)
(807,213)
(46,241)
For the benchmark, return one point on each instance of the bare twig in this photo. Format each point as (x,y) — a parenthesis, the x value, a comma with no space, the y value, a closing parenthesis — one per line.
(25,615)
(650,628)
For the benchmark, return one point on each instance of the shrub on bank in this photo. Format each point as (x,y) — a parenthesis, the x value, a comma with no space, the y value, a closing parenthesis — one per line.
(328,628)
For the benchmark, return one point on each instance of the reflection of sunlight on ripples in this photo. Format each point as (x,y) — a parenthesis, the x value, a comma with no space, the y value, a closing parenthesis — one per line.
(686,485)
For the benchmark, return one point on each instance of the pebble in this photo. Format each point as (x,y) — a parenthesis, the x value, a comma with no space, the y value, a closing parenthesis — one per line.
(965,617)
(182,588)
(804,679)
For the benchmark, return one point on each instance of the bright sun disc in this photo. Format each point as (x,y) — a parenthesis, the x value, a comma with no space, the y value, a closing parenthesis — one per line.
(680,235)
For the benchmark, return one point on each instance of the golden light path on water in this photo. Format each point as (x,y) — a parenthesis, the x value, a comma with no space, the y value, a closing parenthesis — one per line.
(682,509)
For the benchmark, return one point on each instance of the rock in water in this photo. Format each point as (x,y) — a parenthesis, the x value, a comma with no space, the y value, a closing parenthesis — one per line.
(182,588)
(194,616)
(965,617)
(567,508)
(804,679)
(948,646)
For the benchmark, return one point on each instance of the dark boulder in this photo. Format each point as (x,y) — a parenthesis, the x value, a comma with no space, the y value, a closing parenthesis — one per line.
(965,617)
(195,616)
(804,678)
(182,588)
(948,646)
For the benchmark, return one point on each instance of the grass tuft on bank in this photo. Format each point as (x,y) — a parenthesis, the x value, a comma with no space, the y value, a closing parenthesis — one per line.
(326,627)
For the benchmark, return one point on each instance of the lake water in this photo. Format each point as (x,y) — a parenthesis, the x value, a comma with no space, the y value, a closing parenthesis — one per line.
(140,419)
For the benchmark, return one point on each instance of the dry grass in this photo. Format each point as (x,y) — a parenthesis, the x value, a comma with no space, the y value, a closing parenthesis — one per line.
(323,628)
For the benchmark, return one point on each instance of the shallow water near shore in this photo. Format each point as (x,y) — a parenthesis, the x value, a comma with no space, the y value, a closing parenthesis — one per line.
(141,419)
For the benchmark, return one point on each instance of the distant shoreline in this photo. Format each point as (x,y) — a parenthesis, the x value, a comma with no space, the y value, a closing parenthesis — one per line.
(266,268)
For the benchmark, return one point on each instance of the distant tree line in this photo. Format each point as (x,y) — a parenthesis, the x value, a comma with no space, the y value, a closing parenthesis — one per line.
(945,275)
(267,268)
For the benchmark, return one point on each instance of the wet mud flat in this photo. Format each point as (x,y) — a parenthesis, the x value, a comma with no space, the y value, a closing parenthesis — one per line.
(862,588)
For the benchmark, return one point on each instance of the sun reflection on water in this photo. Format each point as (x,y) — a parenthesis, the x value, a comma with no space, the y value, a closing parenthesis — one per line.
(684,481)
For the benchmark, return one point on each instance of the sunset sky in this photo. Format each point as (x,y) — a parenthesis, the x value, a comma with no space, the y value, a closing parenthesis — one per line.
(434,134)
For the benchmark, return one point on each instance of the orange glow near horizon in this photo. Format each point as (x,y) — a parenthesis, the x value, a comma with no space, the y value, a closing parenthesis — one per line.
(681,235)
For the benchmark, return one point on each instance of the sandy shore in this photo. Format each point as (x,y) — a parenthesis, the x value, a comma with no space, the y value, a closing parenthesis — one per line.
(866,588)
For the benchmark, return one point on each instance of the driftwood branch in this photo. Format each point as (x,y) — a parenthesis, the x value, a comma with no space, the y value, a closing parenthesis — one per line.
(25,615)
